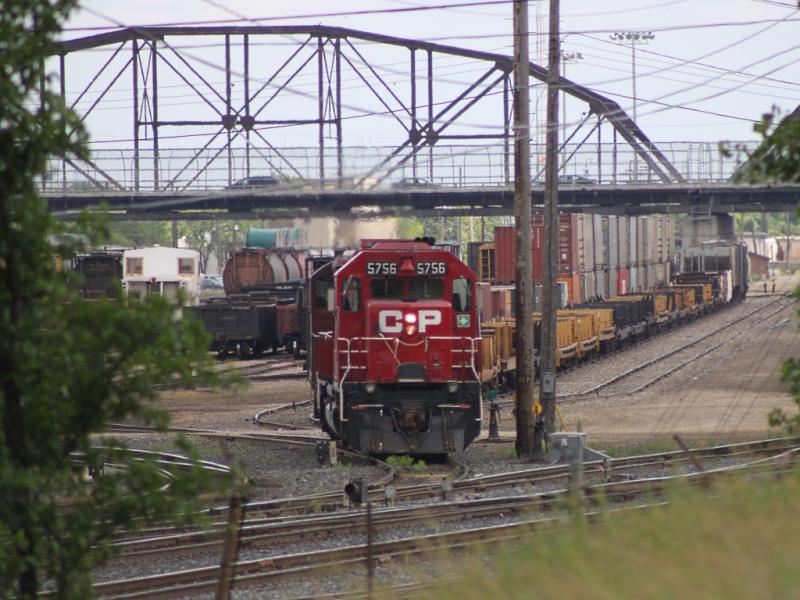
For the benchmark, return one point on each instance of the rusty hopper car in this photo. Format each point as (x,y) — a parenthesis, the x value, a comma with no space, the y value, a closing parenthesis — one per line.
(395,349)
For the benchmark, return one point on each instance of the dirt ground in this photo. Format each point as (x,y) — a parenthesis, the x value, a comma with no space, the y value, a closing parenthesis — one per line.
(725,395)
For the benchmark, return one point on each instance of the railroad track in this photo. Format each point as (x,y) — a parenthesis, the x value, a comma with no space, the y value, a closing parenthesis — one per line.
(531,512)
(614,383)
(653,371)
(273,368)
(260,417)
(268,513)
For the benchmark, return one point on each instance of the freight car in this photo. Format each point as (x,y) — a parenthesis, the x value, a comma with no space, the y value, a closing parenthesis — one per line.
(250,324)
(264,308)
(97,274)
(395,349)
(604,325)
(598,255)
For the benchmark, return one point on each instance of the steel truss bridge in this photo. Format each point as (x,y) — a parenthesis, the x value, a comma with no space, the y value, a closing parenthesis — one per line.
(295,101)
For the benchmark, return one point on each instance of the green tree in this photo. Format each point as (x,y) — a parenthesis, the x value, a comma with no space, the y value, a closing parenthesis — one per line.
(68,367)
(215,237)
(141,233)
(777,160)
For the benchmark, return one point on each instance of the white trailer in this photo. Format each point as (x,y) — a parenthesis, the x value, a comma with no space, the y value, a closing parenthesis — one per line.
(162,271)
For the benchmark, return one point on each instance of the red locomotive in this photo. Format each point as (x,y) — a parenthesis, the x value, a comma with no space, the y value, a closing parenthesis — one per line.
(395,349)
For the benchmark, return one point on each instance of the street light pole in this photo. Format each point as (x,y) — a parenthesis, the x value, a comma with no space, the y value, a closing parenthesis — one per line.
(566,58)
(633,38)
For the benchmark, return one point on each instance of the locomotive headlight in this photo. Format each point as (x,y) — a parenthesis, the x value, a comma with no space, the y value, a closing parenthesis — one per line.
(410,320)
(452,387)
(369,388)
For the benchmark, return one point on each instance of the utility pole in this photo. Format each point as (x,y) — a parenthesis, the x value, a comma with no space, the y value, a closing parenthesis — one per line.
(546,420)
(522,215)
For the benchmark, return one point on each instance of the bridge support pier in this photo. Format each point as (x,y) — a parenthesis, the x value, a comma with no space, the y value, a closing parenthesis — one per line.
(708,227)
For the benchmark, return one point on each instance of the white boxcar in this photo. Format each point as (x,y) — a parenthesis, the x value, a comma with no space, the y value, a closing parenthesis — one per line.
(162,271)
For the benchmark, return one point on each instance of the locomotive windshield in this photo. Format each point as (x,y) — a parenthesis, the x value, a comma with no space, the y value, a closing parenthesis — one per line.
(416,288)
(425,289)
(386,288)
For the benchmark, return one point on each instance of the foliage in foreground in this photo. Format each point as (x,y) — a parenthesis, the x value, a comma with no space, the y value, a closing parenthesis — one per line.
(777,160)
(67,366)
(741,544)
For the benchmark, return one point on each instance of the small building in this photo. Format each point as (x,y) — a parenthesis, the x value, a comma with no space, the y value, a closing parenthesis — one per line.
(162,271)
(759,265)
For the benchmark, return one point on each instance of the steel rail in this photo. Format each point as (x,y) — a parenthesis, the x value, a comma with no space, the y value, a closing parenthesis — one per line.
(261,571)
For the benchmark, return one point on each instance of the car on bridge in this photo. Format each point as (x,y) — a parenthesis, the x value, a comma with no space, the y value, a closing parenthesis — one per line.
(575,180)
(413,182)
(254,182)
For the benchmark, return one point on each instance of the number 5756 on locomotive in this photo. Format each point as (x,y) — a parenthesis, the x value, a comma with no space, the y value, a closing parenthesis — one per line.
(395,349)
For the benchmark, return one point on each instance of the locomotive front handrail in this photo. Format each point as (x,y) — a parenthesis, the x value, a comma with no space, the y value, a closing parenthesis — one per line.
(350,342)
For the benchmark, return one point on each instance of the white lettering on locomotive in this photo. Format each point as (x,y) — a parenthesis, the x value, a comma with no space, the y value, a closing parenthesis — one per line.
(391,321)
(429,317)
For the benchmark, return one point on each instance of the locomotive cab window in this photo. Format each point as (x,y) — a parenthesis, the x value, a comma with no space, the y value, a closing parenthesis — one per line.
(462,295)
(386,288)
(351,294)
(425,289)
(321,287)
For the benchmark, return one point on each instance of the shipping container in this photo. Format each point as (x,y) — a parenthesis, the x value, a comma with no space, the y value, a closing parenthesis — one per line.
(641,232)
(599,246)
(623,247)
(613,242)
(505,255)
(611,289)
(562,296)
(574,286)
(652,238)
(670,240)
(633,241)
(622,282)
(601,283)
(484,301)
(502,302)
(587,286)
(633,279)
(585,242)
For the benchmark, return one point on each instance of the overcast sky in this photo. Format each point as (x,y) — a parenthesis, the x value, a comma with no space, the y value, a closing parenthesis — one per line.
(713,67)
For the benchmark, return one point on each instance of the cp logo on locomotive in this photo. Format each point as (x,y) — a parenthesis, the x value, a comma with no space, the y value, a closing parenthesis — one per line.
(391,321)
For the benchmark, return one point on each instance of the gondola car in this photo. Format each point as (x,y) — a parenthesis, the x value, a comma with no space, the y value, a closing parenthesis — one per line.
(395,349)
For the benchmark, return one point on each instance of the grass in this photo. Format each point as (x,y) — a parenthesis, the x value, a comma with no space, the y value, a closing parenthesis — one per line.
(741,544)
(403,462)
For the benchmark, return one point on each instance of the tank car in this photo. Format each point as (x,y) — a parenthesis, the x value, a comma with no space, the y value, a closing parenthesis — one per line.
(395,349)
